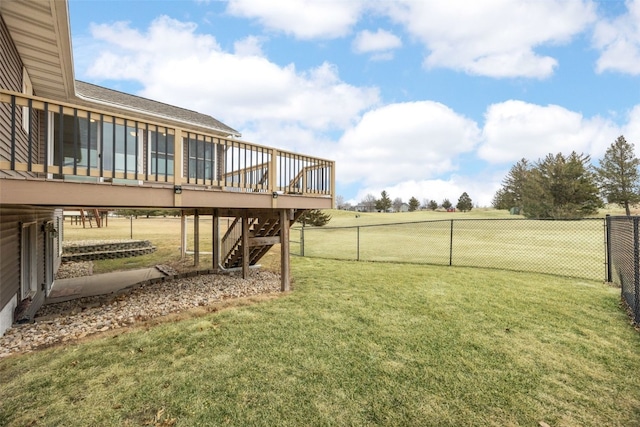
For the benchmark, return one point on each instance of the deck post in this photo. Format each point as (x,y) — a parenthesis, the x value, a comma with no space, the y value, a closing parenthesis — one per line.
(215,240)
(273,166)
(183,235)
(245,245)
(196,239)
(285,268)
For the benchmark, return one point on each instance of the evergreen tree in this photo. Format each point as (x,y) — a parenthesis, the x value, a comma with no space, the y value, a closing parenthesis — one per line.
(414,204)
(464,203)
(446,204)
(561,187)
(384,203)
(618,175)
(433,205)
(511,194)
(314,217)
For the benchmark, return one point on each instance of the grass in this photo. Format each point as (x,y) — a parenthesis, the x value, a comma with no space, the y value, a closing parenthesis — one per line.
(354,344)
(570,248)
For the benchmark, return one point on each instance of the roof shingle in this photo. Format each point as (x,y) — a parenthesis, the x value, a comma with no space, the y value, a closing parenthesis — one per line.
(155,108)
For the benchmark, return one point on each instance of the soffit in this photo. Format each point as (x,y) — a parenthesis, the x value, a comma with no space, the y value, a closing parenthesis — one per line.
(40,31)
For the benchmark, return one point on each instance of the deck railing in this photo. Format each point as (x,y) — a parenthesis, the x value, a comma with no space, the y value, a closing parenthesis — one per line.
(54,140)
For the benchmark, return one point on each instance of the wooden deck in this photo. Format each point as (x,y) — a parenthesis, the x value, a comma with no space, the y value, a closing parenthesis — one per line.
(76,157)
(60,154)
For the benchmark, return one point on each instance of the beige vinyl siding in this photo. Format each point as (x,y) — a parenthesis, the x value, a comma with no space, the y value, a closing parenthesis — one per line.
(11,220)
(11,72)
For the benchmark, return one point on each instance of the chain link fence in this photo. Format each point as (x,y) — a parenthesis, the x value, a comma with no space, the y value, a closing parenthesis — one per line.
(624,259)
(573,248)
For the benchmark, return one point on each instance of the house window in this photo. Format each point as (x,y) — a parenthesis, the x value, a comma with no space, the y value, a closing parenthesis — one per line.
(79,143)
(201,159)
(161,153)
(89,141)
(120,150)
(28,260)
(27,89)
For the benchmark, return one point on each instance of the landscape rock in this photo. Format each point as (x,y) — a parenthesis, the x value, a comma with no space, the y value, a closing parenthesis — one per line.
(71,320)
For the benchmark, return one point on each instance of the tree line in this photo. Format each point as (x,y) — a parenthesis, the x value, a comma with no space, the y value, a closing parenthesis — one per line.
(565,187)
(384,204)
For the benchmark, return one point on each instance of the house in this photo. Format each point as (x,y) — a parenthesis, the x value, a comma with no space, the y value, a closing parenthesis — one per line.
(66,144)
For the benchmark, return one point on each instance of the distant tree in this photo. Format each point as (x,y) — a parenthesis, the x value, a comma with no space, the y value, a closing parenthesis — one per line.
(147,213)
(340,202)
(314,217)
(618,175)
(464,203)
(446,204)
(499,198)
(561,187)
(369,202)
(414,204)
(384,203)
(511,194)
(433,205)
(397,204)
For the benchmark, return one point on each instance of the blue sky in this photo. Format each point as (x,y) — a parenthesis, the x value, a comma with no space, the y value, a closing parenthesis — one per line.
(421,98)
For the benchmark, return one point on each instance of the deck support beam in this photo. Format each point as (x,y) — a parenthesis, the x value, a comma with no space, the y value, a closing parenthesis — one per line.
(285,268)
(183,235)
(245,246)
(196,239)
(215,240)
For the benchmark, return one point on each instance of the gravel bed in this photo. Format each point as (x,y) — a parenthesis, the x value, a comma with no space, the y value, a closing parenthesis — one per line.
(72,320)
(68,270)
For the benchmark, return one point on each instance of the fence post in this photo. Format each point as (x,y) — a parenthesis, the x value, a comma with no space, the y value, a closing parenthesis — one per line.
(302,240)
(358,243)
(607,243)
(636,271)
(451,245)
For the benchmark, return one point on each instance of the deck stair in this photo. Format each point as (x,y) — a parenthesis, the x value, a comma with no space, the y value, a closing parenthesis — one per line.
(264,232)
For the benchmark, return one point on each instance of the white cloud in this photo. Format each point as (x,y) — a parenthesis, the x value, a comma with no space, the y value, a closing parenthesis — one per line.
(516,129)
(631,129)
(380,41)
(178,66)
(398,142)
(249,46)
(480,189)
(304,19)
(495,38)
(619,41)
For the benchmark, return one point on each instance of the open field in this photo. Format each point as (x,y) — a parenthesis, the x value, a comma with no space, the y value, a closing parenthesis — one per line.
(354,344)
(491,239)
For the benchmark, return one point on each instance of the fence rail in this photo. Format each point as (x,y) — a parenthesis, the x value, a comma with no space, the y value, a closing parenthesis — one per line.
(573,248)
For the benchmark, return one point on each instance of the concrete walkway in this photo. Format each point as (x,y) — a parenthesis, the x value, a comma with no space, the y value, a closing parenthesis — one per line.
(98,284)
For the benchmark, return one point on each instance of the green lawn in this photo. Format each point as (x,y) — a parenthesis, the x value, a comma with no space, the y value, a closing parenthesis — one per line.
(355,344)
(487,238)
